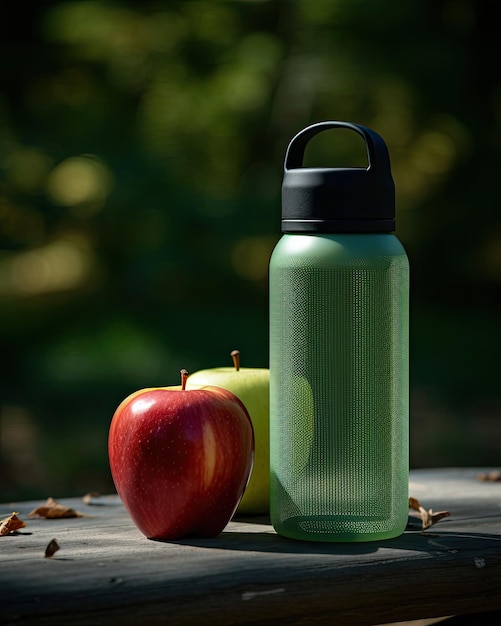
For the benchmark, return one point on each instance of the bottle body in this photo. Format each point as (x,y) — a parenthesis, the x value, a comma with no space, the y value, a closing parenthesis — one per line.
(339,386)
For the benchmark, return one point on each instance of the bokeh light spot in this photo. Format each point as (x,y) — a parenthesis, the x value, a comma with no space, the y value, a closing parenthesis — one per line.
(80,182)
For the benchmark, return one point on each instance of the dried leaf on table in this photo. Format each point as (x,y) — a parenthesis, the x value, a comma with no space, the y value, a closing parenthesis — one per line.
(428,518)
(492,477)
(53,510)
(11,524)
(51,548)
(414,504)
(91,497)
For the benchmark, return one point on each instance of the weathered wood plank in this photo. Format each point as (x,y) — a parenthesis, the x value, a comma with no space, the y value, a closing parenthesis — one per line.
(106,572)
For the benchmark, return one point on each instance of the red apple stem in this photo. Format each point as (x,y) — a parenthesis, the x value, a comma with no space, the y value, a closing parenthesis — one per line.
(184,378)
(235,355)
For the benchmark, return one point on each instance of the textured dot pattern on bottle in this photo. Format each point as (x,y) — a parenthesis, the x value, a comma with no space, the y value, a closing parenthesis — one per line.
(339,400)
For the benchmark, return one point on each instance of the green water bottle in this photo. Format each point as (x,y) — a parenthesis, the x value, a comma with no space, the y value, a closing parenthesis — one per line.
(339,300)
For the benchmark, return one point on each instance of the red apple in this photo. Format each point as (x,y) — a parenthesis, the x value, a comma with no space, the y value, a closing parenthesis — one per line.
(181,458)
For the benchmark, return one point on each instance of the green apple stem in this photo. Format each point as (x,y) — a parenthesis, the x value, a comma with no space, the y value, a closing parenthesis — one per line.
(184,378)
(235,355)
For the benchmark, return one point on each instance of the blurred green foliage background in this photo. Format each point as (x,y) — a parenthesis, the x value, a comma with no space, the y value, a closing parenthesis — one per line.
(141,154)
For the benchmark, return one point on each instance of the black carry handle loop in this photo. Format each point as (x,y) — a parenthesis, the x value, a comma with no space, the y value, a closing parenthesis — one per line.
(377,152)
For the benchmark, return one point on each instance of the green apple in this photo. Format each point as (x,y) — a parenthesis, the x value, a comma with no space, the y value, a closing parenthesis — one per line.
(252,386)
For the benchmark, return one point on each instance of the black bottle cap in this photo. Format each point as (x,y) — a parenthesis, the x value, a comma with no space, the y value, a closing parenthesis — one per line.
(338,200)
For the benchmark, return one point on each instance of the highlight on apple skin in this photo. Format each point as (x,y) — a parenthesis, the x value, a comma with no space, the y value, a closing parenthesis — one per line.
(181,458)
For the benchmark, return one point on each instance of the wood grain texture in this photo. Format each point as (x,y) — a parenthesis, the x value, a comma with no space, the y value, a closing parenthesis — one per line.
(106,572)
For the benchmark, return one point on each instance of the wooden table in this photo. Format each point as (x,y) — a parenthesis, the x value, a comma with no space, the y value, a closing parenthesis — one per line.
(106,572)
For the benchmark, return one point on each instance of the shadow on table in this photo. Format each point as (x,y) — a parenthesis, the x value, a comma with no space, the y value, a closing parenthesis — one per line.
(442,542)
